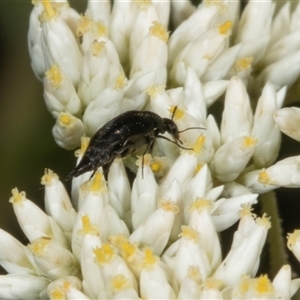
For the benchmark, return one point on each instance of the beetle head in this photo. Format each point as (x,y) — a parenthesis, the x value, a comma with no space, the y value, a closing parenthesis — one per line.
(171,128)
(85,165)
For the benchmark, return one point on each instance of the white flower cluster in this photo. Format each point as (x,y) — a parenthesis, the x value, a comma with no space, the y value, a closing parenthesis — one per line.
(124,244)
(159,238)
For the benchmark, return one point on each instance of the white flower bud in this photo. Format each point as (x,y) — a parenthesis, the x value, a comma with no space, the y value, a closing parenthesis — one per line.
(213,130)
(52,260)
(265,130)
(181,10)
(231,158)
(57,203)
(226,211)
(202,221)
(35,42)
(119,190)
(59,93)
(190,286)
(285,173)
(67,288)
(182,170)
(144,193)
(68,131)
(163,10)
(60,45)
(33,221)
(248,28)
(121,288)
(146,15)
(13,257)
(288,120)
(222,64)
(237,110)
(294,243)
(213,90)
(188,31)
(151,47)
(15,287)
(250,246)
(100,70)
(282,282)
(99,11)
(153,281)
(281,23)
(156,229)
(112,264)
(194,99)
(282,48)
(92,282)
(288,65)
(190,253)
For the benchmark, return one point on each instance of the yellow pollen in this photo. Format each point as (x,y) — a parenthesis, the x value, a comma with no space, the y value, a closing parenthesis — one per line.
(293,239)
(264,221)
(117,240)
(199,144)
(243,63)
(96,182)
(66,119)
(195,274)
(246,211)
(67,285)
(101,30)
(179,113)
(201,204)
(120,282)
(222,8)
(84,144)
(198,167)
(189,233)
(88,227)
(37,247)
(49,12)
(155,166)
(128,250)
(149,258)
(248,141)
(225,28)
(57,294)
(48,177)
(104,254)
(97,48)
(212,284)
(264,177)
(143,4)
(55,76)
(17,198)
(244,284)
(154,90)
(85,24)
(168,205)
(263,286)
(159,30)
(121,82)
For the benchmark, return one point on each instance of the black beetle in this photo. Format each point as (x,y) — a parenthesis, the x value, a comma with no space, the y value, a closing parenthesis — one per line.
(123,135)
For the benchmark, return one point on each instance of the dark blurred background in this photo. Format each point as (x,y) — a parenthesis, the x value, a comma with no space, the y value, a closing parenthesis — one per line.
(26,143)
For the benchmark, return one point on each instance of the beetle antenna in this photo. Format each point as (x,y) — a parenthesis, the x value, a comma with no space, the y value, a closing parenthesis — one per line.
(173,113)
(191,128)
(165,138)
